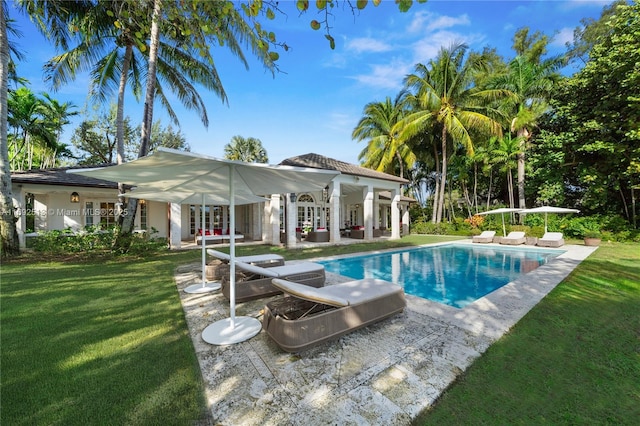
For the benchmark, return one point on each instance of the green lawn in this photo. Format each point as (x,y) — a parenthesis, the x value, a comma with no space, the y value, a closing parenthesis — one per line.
(105,342)
(573,360)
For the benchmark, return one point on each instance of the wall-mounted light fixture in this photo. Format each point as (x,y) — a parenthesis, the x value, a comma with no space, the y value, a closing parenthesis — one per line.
(75,197)
(292,197)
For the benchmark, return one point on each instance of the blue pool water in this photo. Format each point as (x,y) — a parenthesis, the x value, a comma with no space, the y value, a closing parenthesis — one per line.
(455,275)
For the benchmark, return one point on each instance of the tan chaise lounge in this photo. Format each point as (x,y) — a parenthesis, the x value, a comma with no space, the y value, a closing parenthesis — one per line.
(484,237)
(256,259)
(551,239)
(310,316)
(514,238)
(254,282)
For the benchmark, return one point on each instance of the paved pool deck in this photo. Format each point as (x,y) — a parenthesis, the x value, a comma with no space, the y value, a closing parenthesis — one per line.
(384,374)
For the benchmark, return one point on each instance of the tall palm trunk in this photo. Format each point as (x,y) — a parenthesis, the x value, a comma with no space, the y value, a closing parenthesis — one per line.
(8,231)
(120,122)
(436,194)
(444,175)
(522,137)
(147,118)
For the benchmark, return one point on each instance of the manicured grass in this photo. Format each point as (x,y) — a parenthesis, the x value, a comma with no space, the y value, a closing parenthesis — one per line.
(574,359)
(97,343)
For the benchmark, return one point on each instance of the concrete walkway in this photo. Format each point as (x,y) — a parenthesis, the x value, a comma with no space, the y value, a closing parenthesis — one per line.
(384,374)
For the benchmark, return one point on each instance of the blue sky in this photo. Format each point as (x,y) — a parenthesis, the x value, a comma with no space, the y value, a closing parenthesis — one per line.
(317,99)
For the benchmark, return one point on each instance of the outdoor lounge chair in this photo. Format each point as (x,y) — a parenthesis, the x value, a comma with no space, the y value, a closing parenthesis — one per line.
(485,237)
(310,316)
(551,239)
(254,282)
(264,260)
(514,238)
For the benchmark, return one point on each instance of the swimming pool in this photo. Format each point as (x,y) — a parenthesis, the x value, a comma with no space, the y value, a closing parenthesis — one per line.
(452,274)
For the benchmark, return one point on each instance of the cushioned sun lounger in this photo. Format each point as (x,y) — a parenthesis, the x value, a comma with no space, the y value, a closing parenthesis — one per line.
(254,282)
(551,239)
(310,316)
(257,259)
(485,237)
(514,238)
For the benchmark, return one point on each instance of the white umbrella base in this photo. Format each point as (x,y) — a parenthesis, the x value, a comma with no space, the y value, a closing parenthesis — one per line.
(203,288)
(223,333)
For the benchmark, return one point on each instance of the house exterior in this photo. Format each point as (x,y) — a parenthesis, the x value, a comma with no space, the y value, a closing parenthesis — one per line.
(358,203)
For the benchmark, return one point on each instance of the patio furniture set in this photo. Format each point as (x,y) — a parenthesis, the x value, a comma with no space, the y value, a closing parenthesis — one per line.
(549,239)
(309,313)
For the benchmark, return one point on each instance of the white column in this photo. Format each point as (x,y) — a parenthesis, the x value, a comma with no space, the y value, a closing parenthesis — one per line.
(336,217)
(274,219)
(292,220)
(395,214)
(367,197)
(175,225)
(405,222)
(376,211)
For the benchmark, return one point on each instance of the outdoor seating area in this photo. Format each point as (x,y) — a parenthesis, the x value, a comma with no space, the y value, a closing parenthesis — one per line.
(310,316)
(254,282)
(216,236)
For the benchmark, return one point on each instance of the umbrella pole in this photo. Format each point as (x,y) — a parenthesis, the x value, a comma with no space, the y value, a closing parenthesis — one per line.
(232,247)
(504,229)
(204,287)
(232,330)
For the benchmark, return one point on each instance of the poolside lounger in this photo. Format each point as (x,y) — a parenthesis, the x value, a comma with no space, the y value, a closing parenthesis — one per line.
(310,316)
(551,239)
(514,238)
(485,237)
(257,259)
(254,282)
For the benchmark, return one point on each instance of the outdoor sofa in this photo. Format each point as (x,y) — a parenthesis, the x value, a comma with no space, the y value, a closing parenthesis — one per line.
(514,238)
(484,237)
(216,236)
(551,239)
(307,316)
(254,282)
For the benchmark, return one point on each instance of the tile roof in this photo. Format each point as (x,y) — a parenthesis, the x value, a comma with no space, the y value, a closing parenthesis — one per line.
(59,176)
(317,161)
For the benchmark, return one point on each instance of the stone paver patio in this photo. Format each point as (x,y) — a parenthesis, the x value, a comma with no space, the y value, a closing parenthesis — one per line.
(384,374)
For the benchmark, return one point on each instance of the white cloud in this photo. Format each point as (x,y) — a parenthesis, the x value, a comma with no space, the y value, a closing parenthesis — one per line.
(564,36)
(425,21)
(385,76)
(367,44)
(428,47)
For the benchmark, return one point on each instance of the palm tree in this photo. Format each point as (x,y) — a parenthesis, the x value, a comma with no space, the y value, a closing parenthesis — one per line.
(27,115)
(505,154)
(446,101)
(384,152)
(531,83)
(245,149)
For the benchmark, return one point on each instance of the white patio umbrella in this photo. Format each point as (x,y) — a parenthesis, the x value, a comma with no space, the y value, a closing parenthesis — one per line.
(174,171)
(549,209)
(501,211)
(181,197)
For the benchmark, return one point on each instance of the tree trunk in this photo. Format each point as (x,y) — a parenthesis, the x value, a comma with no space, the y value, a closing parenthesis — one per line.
(443,181)
(124,237)
(8,230)
(120,124)
(522,138)
(436,194)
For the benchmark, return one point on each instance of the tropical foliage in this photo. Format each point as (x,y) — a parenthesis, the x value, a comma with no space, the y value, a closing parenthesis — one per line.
(478,116)
(249,150)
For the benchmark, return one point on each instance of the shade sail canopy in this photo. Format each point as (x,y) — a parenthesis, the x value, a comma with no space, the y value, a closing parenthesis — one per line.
(549,209)
(172,170)
(148,192)
(177,172)
(502,211)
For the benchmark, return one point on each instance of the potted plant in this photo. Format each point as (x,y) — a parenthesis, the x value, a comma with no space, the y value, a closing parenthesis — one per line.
(592,238)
